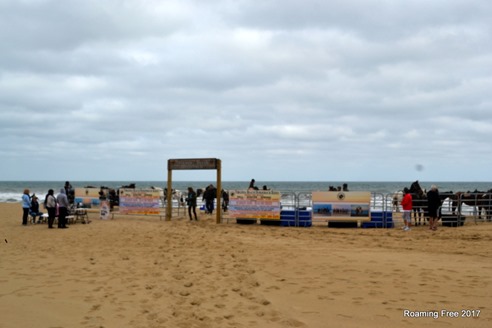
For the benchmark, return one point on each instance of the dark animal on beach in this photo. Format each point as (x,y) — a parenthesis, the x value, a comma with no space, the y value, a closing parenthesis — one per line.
(130,186)
(199,192)
(479,200)
(445,195)
(419,202)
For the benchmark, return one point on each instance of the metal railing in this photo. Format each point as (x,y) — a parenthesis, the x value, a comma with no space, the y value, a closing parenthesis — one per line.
(455,207)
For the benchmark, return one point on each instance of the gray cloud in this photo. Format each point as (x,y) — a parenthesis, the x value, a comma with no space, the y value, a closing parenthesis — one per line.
(316,90)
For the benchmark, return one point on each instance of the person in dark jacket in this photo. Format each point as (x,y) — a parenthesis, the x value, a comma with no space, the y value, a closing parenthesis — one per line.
(225,200)
(34,210)
(191,201)
(69,192)
(433,206)
(209,196)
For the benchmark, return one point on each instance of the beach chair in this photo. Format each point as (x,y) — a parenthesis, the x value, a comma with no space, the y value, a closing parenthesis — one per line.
(38,215)
(43,218)
(81,214)
(71,214)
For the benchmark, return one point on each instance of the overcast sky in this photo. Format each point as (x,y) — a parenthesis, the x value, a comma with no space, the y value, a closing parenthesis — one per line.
(349,90)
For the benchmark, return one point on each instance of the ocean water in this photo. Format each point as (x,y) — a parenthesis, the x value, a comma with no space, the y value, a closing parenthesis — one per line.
(11,191)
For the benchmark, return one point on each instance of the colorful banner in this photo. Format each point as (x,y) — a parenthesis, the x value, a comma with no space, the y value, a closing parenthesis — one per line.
(139,201)
(341,205)
(89,197)
(254,204)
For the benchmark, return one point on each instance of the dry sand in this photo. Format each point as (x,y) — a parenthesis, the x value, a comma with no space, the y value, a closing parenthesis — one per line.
(143,272)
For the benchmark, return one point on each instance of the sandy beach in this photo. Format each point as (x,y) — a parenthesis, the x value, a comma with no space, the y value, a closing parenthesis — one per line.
(146,272)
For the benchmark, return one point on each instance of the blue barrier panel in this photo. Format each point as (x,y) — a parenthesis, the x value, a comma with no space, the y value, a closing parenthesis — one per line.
(388,220)
(292,218)
(380,219)
(288,218)
(377,216)
(305,218)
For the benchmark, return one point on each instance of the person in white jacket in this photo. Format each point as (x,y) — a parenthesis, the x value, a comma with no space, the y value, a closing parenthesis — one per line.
(50,205)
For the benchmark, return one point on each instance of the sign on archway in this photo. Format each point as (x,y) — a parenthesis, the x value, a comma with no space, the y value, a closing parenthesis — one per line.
(193,164)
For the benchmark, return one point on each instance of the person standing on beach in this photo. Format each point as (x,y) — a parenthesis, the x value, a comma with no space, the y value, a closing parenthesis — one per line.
(191,201)
(225,200)
(406,204)
(433,205)
(26,205)
(69,192)
(50,204)
(209,196)
(63,206)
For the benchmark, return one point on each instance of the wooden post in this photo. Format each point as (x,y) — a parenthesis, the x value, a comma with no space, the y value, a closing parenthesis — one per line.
(169,194)
(219,191)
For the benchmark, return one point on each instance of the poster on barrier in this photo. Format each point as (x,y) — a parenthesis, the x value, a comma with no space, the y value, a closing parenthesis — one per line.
(341,205)
(104,210)
(256,204)
(139,201)
(88,197)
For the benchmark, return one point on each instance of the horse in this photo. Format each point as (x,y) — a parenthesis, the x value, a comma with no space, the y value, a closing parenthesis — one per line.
(443,196)
(479,200)
(419,202)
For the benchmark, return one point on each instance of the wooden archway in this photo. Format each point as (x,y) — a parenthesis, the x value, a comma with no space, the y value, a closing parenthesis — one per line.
(193,164)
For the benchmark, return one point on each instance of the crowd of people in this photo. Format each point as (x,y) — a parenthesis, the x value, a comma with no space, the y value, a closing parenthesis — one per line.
(208,196)
(434,203)
(55,206)
(58,206)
